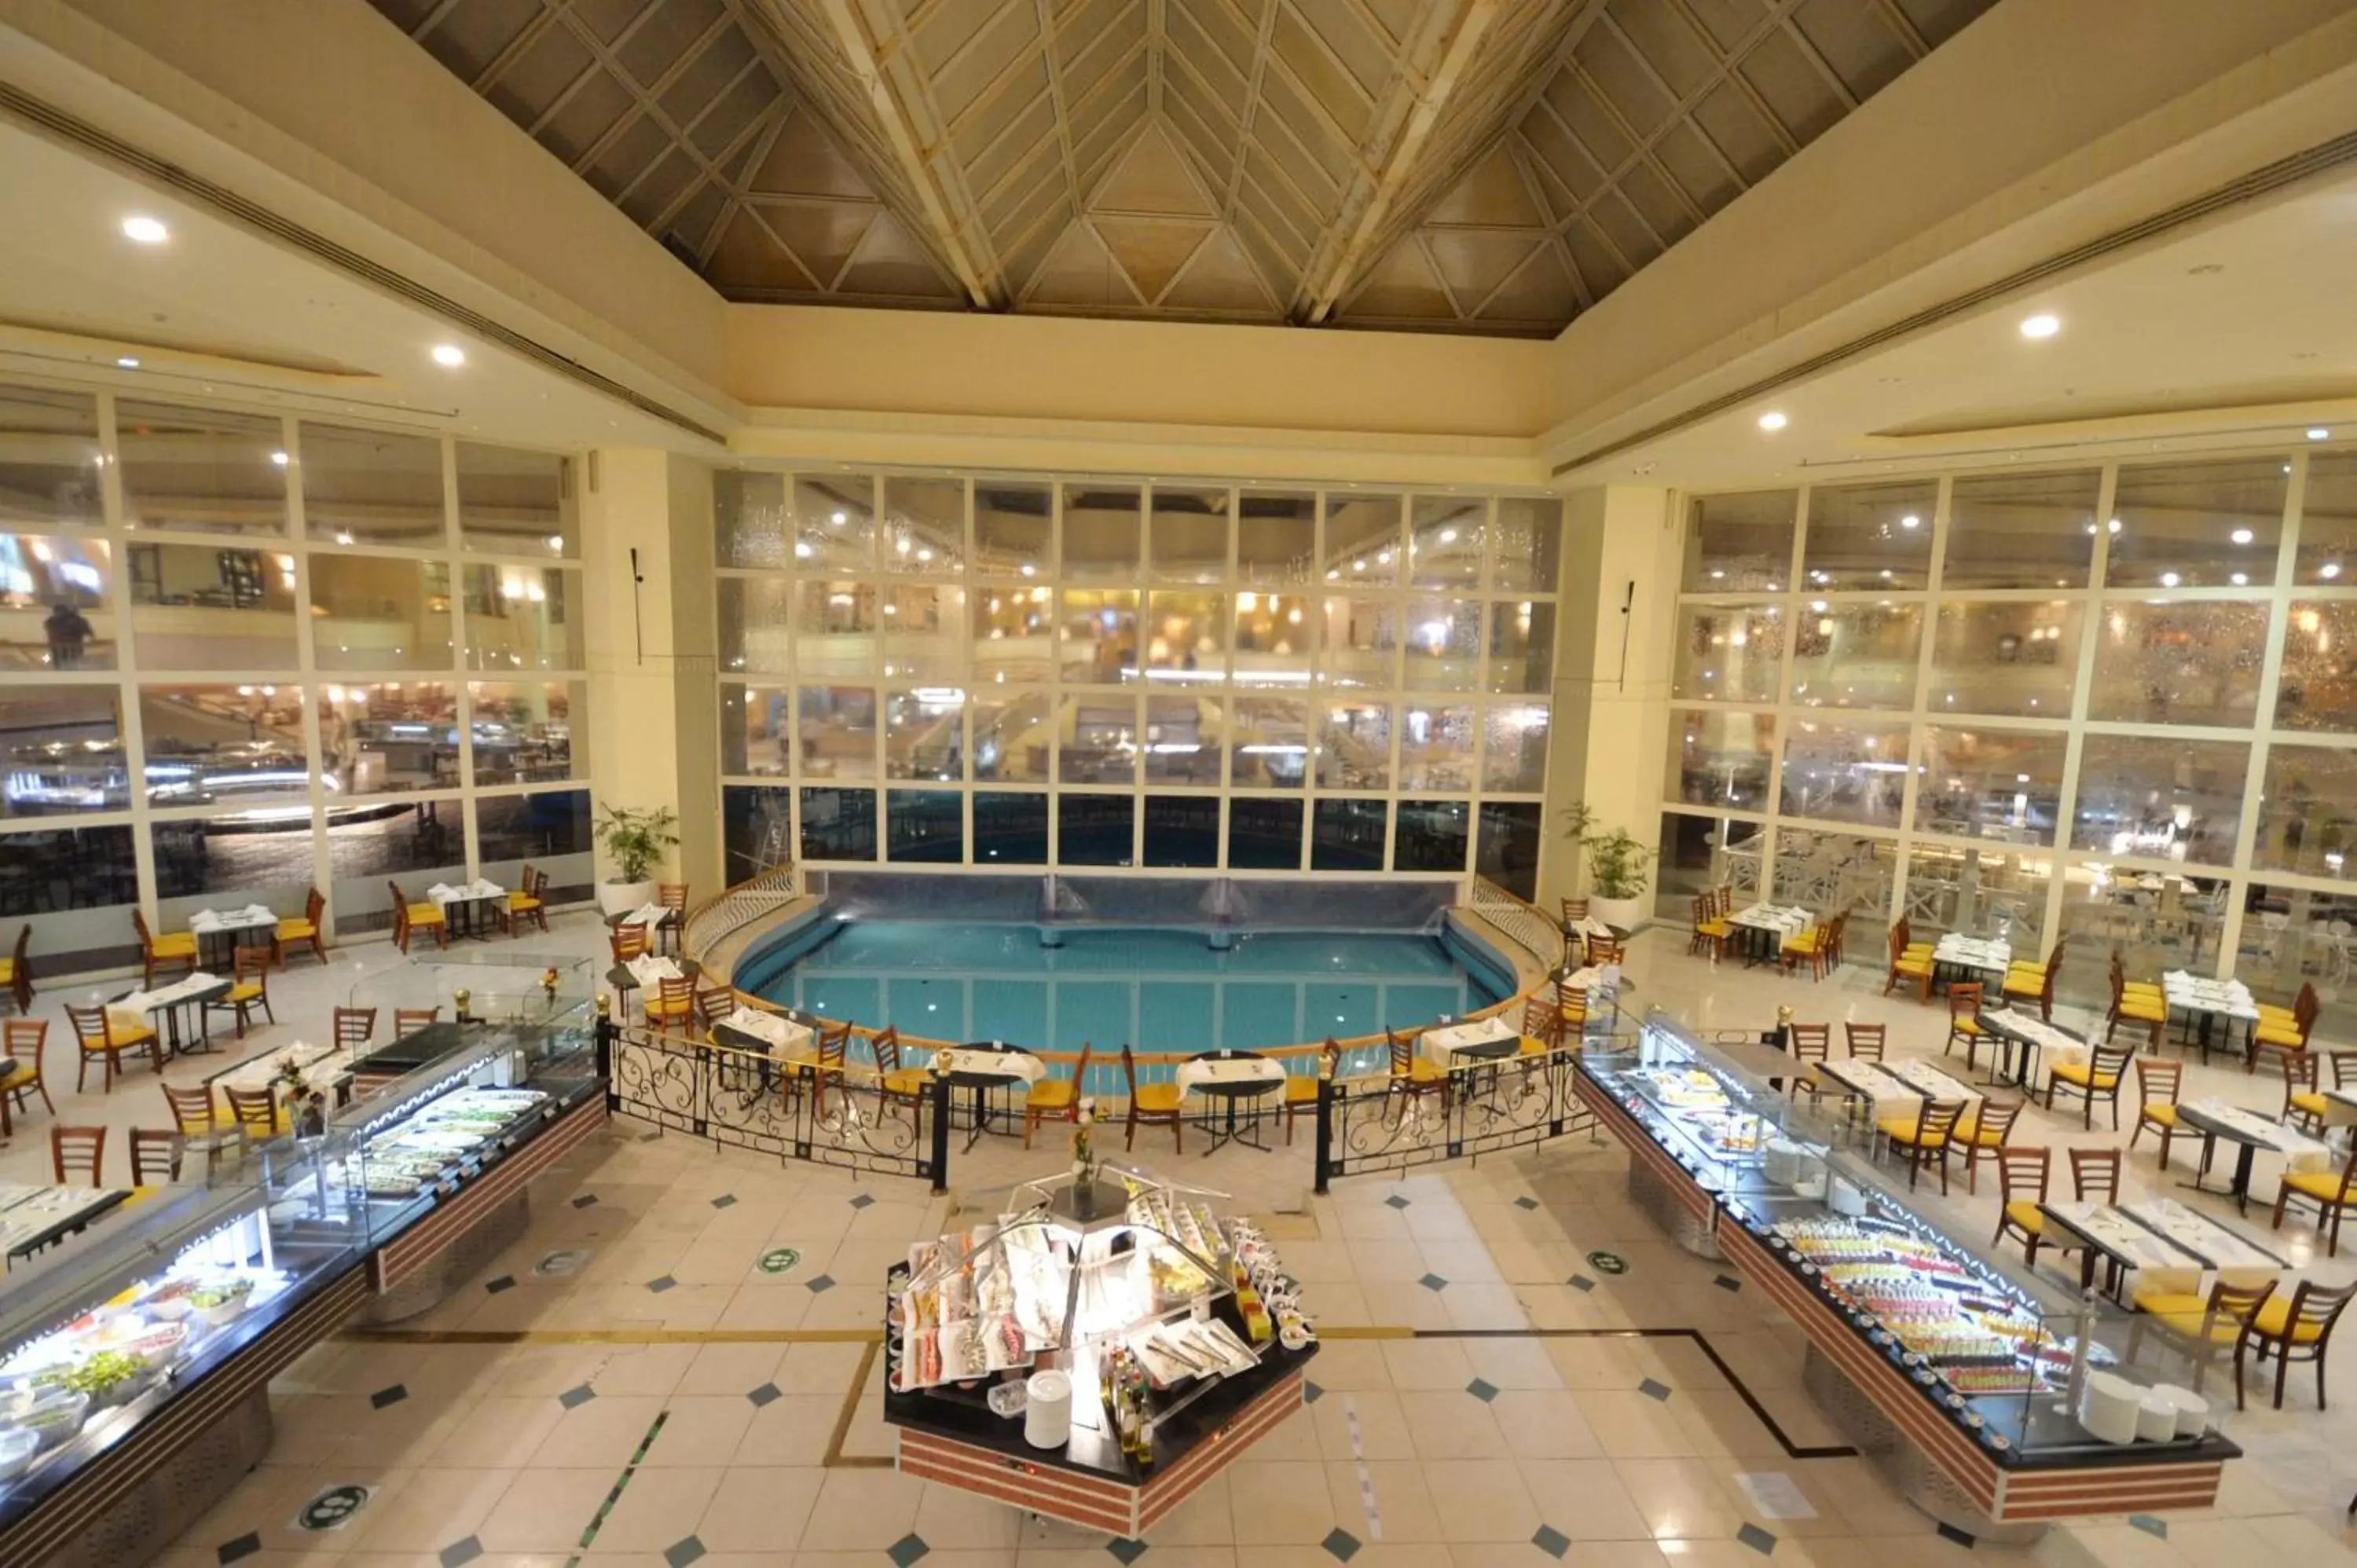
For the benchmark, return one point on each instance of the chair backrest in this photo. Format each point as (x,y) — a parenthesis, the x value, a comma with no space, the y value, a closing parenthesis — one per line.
(2344,1069)
(254,964)
(2158,1081)
(255,1109)
(155,1157)
(1866,1040)
(1963,1001)
(23,1039)
(671,895)
(400,902)
(834,1046)
(354,1026)
(2095,1175)
(1995,1121)
(314,905)
(1811,1042)
(1542,1020)
(539,884)
(1573,910)
(2119,977)
(139,924)
(1081,1073)
(2316,1306)
(2107,1061)
(92,1029)
(629,941)
(1602,951)
(1938,1121)
(2236,1303)
(24,941)
(406,1019)
(678,995)
(714,1002)
(1403,1052)
(524,879)
(1129,1074)
(2305,1007)
(1901,937)
(77,1156)
(192,1110)
(885,1042)
(2022,1174)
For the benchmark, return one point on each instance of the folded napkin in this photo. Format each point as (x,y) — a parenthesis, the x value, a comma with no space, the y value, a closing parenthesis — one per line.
(210,920)
(650,971)
(1250,1070)
(647,915)
(767,1027)
(1003,1063)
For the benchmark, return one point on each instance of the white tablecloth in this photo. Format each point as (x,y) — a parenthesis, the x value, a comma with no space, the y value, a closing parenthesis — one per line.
(1008,1064)
(649,971)
(322,1065)
(647,915)
(1897,1088)
(2199,994)
(1193,1075)
(1788,921)
(446,893)
(2300,1152)
(2123,1236)
(1934,1084)
(2235,1258)
(1441,1045)
(1971,952)
(210,922)
(132,1012)
(782,1036)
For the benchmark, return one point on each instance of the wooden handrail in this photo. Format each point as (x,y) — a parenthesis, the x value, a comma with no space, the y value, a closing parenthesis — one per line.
(736,907)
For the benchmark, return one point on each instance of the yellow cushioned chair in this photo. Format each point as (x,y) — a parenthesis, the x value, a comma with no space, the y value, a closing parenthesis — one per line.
(674,1002)
(1056,1099)
(1924,1138)
(2275,1319)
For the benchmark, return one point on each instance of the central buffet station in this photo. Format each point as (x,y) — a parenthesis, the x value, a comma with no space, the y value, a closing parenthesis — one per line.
(136,1364)
(1993,1398)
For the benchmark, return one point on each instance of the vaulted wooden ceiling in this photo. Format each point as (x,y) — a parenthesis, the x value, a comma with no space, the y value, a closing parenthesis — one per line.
(1465,165)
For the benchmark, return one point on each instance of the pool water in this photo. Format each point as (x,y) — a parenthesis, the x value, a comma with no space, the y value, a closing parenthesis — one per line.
(1158,989)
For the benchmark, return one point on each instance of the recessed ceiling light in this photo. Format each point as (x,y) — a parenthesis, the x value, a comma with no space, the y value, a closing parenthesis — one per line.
(2241,579)
(2318,433)
(279,459)
(2329,569)
(449,356)
(2241,536)
(1910,521)
(146,230)
(1772,420)
(128,362)
(2042,325)
(2169,579)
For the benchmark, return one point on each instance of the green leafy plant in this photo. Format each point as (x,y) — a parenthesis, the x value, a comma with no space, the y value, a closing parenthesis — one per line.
(1616,864)
(637,840)
(1577,818)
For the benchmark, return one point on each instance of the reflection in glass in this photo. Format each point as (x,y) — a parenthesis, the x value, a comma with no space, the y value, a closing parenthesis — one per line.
(1014,634)
(924,734)
(1362,538)
(756,725)
(924,525)
(61,868)
(1521,645)
(2021,531)
(413,844)
(1101,534)
(1869,536)
(528,732)
(1186,640)
(1097,738)
(1011,735)
(1720,759)
(196,608)
(381,612)
(2005,656)
(522,617)
(229,863)
(1095,829)
(1277,538)
(834,629)
(548,830)
(2317,690)
(1508,852)
(1183,830)
(1270,743)
(1530,544)
(753,638)
(1836,874)
(1354,747)
(1443,645)
(1691,861)
(1728,653)
(2155,922)
(2198,525)
(926,825)
(1362,643)
(2160,799)
(50,459)
(1434,835)
(834,521)
(2178,663)
(1184,739)
(61,750)
(838,824)
(1446,535)
(924,633)
(1013,526)
(1990,892)
(2327,521)
(1348,835)
(1436,746)
(1010,829)
(836,727)
(2295,936)
(1263,834)
(749,509)
(1849,655)
(1099,636)
(1513,748)
(369,488)
(201,471)
(52,604)
(1188,535)
(756,829)
(378,739)
(512,502)
(2307,811)
(1990,784)
(1739,543)
(1272,638)
(1848,773)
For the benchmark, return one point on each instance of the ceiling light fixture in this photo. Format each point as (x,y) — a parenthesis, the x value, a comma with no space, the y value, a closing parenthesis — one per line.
(2318,433)
(449,356)
(128,362)
(144,230)
(278,458)
(2042,325)
(1910,521)
(2169,579)
(1772,420)
(2331,569)
(2241,536)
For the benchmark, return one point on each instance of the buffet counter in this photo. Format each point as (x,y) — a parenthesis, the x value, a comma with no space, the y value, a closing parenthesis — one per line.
(1995,1399)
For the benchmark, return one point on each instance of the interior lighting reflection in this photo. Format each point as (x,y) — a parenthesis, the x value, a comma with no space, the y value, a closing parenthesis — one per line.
(2318,433)
(2329,569)
(2241,536)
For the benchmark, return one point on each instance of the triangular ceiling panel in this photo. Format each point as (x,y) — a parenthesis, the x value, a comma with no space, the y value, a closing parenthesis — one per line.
(1492,193)
(1153,177)
(1404,287)
(822,234)
(748,260)
(1218,280)
(1540,290)
(1472,261)
(806,160)
(1080,272)
(1151,250)
(889,260)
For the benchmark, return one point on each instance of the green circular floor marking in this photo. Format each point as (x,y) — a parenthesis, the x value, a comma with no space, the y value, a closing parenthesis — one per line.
(779,1260)
(1607,1262)
(333,1508)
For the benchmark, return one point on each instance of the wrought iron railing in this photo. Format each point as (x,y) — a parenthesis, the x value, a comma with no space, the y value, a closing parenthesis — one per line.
(738,908)
(1383,1123)
(1519,920)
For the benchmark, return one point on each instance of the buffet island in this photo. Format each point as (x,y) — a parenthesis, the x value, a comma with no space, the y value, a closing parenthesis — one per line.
(1094,1353)
(135,1363)
(1995,1399)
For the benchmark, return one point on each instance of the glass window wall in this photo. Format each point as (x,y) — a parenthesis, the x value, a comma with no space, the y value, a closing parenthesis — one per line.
(513,502)
(51,459)
(2150,798)
(199,470)
(2198,525)
(1869,537)
(1984,783)
(363,486)
(1740,543)
(2011,657)
(924,525)
(2021,531)
(1849,655)
(2187,662)
(1728,653)
(1845,772)
(53,604)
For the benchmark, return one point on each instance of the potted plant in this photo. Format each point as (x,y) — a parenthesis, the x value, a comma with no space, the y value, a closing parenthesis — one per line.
(1616,877)
(635,841)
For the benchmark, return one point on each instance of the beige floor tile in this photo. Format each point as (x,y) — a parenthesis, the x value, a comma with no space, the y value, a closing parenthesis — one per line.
(1466,1261)
(1206,1518)
(1407,1305)
(1681,1499)
(1294,1438)
(819,1368)
(1586,1363)
(1633,1425)
(1586,1499)
(1383,1430)
(643,1369)
(501,1430)
(701,1430)
(1403,1503)
(1348,1364)
(792,1431)
(1426,1364)
(1387,1262)
(1433,1221)
(1489,1307)
(546,1511)
(861,1510)
(1513,1363)
(1544,1423)
(758,1508)
(1279,1504)
(601,1434)
(1480,1499)
(658,1509)
(960,1519)
(1450,1424)
(430,1510)
(727,1369)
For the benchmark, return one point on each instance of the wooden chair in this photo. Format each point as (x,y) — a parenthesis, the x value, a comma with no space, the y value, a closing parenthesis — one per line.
(1543,1025)
(2205,1328)
(527,903)
(1965,1023)
(1866,1040)
(202,1129)
(1810,1043)
(2332,1192)
(95,1034)
(2095,1175)
(2135,1007)
(672,1005)
(353,1027)
(252,990)
(1924,1138)
(155,1157)
(2304,1105)
(2035,981)
(17,970)
(2158,1083)
(2296,1329)
(1710,933)
(1911,961)
(1807,946)
(23,1040)
(2021,1175)
(409,918)
(628,941)
(78,1152)
(1301,1093)
(257,1112)
(2284,1031)
(1983,1133)
(310,926)
(672,897)
(1602,951)
(408,1021)
(1835,936)
(178,948)
(1054,1099)
(833,1053)
(1151,1103)
(715,1003)
(2098,1077)
(1412,1077)
(903,1085)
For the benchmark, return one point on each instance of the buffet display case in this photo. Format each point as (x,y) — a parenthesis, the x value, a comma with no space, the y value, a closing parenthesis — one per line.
(1095,1353)
(520,991)
(134,1367)
(1978,1384)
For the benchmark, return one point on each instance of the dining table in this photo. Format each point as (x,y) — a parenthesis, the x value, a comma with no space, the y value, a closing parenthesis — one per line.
(2249,1132)
(2209,1003)
(165,1004)
(1764,928)
(1233,1078)
(2020,1031)
(980,1067)
(2119,1241)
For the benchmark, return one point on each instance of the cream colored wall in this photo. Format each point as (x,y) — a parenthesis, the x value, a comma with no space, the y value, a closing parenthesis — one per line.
(633,705)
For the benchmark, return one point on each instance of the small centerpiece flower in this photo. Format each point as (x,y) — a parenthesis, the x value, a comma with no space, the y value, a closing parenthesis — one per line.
(289,1079)
(548,982)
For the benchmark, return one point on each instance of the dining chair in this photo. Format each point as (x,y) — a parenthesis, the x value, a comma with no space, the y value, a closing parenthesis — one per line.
(2027,982)
(1710,933)
(628,941)
(251,988)
(715,1003)
(832,1055)
(310,926)
(353,1027)
(2146,1009)
(1301,1093)
(1574,911)
(1412,1077)
(2299,1328)
(23,1041)
(1866,1040)
(1981,1131)
(2095,1175)
(1543,1026)
(1151,1104)
(408,1021)
(672,897)
(178,948)
(1810,1044)
(2332,1192)
(906,1085)
(155,1157)
(1054,1099)
(2284,1031)
(2021,1175)
(16,970)
(2097,1078)
(2158,1083)
(1911,961)
(1965,1023)
(527,902)
(672,1005)
(77,1152)
(1806,947)
(1924,1137)
(258,1114)
(2305,1106)
(2203,1327)
(409,918)
(202,1129)
(101,1041)
(1602,951)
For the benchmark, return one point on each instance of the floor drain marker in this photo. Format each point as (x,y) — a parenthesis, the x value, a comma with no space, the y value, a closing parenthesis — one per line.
(637,1456)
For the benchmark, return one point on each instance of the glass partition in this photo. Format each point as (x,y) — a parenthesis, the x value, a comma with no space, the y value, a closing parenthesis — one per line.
(2021,531)
(53,604)
(2206,524)
(51,459)
(2179,662)
(198,607)
(1728,653)
(1869,536)
(2006,656)
(513,502)
(1991,783)
(196,471)
(1740,543)
(924,525)
(62,750)
(1721,759)
(1852,773)
(1848,655)
(382,612)
(364,487)
(2160,799)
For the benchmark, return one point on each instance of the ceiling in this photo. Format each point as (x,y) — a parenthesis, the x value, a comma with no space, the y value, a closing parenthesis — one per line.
(1465,165)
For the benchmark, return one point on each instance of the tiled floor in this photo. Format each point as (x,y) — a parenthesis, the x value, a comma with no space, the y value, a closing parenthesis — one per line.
(669,1402)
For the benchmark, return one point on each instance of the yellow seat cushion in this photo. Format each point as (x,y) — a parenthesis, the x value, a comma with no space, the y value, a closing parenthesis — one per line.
(1051,1093)
(1300,1091)
(2143,1011)
(2325,1184)
(1422,1072)
(2314,1104)
(176,944)
(1807,942)
(2140,988)
(1966,1026)
(1715,928)
(245,991)
(1911,964)
(522,901)
(2084,1073)
(425,914)
(2160,1115)
(2271,1014)
(2275,1316)
(2026,1215)
(2281,1035)
(907,1080)
(1902,1130)
(124,1037)
(1969,1130)
(1156,1097)
(8,970)
(294,929)
(1531,1048)
(18,1076)
(2019,987)
(2187,1316)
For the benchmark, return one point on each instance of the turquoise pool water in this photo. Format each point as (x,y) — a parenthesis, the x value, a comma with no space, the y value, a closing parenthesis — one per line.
(1158,989)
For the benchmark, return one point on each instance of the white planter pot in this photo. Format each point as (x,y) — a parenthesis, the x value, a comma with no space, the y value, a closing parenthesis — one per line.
(621,898)
(1623,913)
